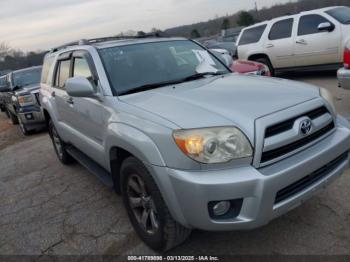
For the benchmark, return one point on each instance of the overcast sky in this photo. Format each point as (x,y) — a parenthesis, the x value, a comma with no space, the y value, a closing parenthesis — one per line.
(41,24)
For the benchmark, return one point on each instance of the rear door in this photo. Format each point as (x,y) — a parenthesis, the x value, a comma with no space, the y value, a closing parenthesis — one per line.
(315,47)
(61,99)
(280,43)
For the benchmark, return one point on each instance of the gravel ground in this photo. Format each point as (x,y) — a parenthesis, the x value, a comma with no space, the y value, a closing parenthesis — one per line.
(48,208)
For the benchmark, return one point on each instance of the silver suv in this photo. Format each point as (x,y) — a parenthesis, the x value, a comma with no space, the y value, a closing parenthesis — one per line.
(186,142)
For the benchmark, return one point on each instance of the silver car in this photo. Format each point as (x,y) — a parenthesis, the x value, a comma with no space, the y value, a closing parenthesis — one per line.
(344,73)
(186,142)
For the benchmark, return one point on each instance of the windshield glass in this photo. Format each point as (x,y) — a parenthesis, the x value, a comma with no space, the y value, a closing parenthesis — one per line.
(27,77)
(342,14)
(132,66)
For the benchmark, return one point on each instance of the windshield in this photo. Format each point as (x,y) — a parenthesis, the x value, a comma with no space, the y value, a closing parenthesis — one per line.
(27,77)
(342,14)
(132,66)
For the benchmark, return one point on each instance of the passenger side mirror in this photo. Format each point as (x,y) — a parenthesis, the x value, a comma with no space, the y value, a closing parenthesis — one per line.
(326,26)
(80,86)
(223,57)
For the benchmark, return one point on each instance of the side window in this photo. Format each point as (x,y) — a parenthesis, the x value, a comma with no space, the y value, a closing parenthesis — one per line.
(62,73)
(252,35)
(46,70)
(308,24)
(281,29)
(81,68)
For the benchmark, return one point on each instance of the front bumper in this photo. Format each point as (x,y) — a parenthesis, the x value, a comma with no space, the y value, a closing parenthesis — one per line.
(32,117)
(187,193)
(344,78)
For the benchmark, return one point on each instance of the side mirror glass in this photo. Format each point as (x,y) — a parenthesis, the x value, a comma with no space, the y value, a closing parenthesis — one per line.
(223,56)
(80,87)
(326,26)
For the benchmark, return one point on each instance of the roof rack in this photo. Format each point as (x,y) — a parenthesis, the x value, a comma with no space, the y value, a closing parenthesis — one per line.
(105,39)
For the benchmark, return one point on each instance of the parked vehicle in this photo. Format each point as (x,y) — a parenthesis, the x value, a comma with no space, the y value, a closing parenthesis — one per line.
(344,73)
(311,40)
(21,99)
(188,143)
(242,66)
(2,87)
(250,67)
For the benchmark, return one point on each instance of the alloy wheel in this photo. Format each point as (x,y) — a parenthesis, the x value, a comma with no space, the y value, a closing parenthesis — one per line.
(142,204)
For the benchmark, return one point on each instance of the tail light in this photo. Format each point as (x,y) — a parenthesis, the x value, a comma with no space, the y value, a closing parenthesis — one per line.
(347,57)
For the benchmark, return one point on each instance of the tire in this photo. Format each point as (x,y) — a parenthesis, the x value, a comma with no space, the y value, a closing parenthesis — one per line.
(59,146)
(23,127)
(14,118)
(266,61)
(7,113)
(164,233)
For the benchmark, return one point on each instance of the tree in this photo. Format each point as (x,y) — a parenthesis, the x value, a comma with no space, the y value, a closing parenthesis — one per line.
(245,19)
(225,24)
(4,50)
(195,33)
(141,33)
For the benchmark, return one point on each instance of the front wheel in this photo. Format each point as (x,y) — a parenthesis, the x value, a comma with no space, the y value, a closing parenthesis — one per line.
(147,210)
(59,146)
(23,127)
(14,118)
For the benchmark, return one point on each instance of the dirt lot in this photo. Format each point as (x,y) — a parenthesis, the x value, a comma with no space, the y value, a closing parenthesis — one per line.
(48,208)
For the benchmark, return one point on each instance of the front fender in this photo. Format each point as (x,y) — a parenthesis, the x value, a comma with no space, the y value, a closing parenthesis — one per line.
(135,142)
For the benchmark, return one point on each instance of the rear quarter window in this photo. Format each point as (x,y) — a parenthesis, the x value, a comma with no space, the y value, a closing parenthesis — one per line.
(252,35)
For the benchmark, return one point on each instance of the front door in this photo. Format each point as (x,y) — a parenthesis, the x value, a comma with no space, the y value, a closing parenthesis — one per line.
(315,47)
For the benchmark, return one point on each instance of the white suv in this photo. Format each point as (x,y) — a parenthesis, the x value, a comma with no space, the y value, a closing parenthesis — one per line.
(306,41)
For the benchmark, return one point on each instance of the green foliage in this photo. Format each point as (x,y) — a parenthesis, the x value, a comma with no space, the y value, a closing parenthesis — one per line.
(195,33)
(225,24)
(245,19)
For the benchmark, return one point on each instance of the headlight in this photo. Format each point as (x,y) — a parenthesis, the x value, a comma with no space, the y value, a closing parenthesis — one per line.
(213,145)
(25,100)
(329,98)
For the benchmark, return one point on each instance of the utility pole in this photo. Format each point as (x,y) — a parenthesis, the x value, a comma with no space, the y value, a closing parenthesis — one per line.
(257,10)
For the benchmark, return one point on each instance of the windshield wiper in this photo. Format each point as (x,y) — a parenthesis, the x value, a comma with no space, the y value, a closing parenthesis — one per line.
(201,75)
(161,84)
(147,87)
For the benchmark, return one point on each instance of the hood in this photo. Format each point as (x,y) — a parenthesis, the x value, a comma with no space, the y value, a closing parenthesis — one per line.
(220,101)
(29,89)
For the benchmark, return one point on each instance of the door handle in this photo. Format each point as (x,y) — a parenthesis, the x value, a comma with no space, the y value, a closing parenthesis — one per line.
(269,45)
(301,41)
(70,100)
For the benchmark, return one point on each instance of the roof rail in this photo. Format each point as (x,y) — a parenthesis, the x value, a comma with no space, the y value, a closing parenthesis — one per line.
(105,39)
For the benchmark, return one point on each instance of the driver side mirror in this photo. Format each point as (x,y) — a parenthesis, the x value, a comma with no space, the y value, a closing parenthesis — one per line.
(79,86)
(326,26)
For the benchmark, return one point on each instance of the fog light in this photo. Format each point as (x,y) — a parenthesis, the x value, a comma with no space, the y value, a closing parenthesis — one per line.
(221,208)
(29,116)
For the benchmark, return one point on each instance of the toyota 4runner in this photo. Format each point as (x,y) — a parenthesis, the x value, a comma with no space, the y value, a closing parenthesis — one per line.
(186,142)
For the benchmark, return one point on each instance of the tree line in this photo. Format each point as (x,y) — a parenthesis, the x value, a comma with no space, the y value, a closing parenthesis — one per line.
(246,18)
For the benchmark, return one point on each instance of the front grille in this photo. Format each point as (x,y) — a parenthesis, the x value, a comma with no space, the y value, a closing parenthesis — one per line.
(37,97)
(288,124)
(309,180)
(275,153)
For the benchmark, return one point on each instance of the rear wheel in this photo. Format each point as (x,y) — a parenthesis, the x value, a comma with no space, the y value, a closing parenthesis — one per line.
(147,210)
(266,61)
(59,146)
